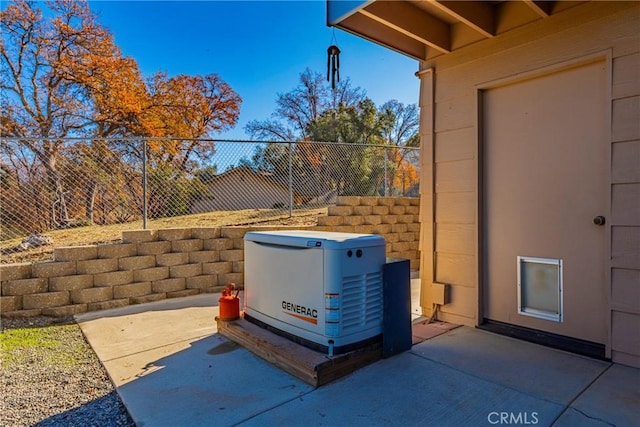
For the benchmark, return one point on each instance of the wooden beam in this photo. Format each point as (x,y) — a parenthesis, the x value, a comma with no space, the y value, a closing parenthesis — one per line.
(412,22)
(308,365)
(542,8)
(478,15)
(377,32)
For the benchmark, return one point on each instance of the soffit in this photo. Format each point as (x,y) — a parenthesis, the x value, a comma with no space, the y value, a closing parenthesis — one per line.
(424,29)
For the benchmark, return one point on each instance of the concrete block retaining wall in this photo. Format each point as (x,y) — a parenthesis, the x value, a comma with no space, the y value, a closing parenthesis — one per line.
(151,265)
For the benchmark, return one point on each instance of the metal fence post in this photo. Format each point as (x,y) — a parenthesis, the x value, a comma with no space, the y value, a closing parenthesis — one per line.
(386,178)
(290,181)
(144,184)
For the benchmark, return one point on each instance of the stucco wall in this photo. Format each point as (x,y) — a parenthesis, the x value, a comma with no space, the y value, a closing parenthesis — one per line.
(150,265)
(451,155)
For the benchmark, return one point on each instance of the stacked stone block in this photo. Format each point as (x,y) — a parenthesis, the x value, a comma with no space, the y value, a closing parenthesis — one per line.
(151,265)
(395,218)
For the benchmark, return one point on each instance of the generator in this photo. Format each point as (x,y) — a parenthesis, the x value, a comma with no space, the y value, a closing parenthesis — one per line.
(322,289)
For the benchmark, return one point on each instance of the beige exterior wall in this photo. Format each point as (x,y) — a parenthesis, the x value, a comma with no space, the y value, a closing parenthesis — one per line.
(151,265)
(450,164)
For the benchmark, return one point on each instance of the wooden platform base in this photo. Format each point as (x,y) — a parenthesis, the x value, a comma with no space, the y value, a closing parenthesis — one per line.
(308,365)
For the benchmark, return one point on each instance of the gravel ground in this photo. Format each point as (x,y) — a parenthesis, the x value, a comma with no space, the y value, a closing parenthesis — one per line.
(50,376)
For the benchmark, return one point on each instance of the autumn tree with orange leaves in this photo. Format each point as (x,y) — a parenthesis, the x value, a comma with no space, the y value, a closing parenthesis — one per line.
(400,129)
(63,76)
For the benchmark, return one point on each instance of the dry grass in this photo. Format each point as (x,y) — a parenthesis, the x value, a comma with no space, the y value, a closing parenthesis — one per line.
(113,233)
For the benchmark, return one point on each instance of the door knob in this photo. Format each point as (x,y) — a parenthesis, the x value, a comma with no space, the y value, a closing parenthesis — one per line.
(599,220)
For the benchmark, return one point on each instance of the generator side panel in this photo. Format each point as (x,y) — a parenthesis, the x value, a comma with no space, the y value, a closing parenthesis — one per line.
(284,288)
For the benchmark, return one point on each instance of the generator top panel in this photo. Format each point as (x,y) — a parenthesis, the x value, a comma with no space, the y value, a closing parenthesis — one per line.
(315,239)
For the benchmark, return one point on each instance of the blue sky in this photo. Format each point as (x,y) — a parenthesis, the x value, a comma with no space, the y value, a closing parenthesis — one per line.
(258,47)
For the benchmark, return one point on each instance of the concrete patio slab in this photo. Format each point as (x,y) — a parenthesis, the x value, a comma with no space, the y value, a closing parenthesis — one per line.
(613,399)
(205,386)
(133,366)
(135,329)
(171,368)
(408,390)
(543,372)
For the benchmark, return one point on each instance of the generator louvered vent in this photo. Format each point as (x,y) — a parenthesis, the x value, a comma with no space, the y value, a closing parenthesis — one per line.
(361,301)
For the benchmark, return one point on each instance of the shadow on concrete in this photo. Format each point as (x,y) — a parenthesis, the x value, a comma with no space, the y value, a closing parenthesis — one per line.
(106,411)
(213,382)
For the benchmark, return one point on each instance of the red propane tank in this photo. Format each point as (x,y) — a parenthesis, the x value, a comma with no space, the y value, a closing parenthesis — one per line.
(229,304)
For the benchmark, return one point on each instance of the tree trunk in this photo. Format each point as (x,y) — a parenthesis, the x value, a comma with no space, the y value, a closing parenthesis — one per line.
(90,201)
(59,213)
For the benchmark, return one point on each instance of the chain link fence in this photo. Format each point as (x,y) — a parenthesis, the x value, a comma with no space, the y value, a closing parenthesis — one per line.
(49,184)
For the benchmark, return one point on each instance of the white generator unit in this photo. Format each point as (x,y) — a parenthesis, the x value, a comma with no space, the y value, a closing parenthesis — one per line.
(322,289)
